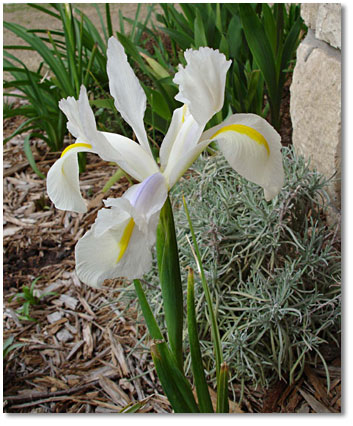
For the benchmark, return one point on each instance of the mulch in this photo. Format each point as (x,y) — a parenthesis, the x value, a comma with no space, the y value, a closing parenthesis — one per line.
(83,352)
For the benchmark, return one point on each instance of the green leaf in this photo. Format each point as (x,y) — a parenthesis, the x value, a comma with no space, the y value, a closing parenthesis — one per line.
(170,280)
(262,51)
(222,390)
(54,64)
(158,103)
(270,26)
(29,155)
(183,40)
(115,178)
(20,129)
(203,394)
(156,68)
(109,20)
(151,323)
(253,87)
(234,36)
(103,103)
(199,31)
(214,329)
(156,121)
(174,383)
(289,49)
(223,46)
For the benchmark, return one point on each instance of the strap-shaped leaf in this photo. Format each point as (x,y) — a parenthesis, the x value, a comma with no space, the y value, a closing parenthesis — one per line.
(37,44)
(203,394)
(174,383)
(30,158)
(222,390)
(151,322)
(170,280)
(263,54)
(214,329)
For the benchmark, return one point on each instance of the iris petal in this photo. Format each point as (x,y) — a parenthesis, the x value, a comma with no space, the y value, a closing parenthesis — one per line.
(202,82)
(129,97)
(120,241)
(252,147)
(63,185)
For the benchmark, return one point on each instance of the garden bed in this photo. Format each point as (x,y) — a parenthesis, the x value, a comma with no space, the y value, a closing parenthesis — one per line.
(83,351)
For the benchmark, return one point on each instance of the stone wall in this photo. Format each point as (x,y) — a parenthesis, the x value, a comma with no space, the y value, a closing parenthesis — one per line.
(316,95)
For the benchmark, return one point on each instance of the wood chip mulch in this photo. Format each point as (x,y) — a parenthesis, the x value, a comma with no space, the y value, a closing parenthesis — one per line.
(82,352)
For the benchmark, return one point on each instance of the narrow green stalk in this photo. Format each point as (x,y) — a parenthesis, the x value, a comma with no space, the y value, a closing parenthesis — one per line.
(170,280)
(203,394)
(109,20)
(151,322)
(222,391)
(116,176)
(214,329)
(174,383)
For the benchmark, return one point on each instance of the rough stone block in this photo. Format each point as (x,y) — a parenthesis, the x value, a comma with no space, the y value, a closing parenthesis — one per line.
(325,19)
(328,24)
(308,12)
(316,109)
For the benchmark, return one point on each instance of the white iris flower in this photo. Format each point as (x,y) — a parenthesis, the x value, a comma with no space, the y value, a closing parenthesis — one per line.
(119,243)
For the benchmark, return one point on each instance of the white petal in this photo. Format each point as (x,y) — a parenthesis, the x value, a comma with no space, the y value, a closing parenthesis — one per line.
(82,124)
(177,166)
(96,257)
(253,149)
(129,97)
(130,156)
(80,116)
(148,197)
(171,135)
(63,185)
(120,241)
(202,82)
(184,150)
(108,218)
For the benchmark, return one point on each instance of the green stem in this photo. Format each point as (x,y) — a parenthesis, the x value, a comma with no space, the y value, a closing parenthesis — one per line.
(170,280)
(202,391)
(151,322)
(214,329)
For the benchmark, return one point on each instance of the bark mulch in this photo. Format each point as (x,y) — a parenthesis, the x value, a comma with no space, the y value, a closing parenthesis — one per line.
(82,352)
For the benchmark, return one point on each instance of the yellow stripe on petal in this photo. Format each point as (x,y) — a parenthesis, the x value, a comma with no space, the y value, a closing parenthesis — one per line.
(76,145)
(124,242)
(245,130)
(184,113)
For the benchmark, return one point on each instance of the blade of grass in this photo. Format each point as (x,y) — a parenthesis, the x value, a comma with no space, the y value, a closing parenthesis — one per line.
(109,20)
(30,158)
